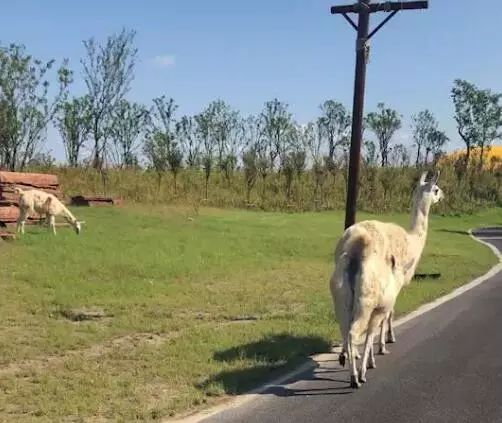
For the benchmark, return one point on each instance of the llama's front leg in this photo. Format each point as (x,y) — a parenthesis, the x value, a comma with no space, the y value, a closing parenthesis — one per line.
(381,345)
(391,337)
(367,351)
(20,222)
(52,224)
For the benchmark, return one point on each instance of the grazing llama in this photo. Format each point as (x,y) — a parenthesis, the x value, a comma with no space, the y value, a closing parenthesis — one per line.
(45,204)
(373,260)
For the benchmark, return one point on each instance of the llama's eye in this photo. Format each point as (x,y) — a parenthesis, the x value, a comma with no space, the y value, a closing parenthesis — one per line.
(436,191)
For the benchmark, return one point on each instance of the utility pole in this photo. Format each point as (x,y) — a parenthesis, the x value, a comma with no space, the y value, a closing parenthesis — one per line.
(364,8)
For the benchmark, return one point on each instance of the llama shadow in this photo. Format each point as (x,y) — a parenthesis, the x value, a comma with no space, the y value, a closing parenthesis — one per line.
(453,231)
(273,353)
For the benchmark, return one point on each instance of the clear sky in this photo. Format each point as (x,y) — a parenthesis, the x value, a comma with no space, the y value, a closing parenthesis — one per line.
(247,52)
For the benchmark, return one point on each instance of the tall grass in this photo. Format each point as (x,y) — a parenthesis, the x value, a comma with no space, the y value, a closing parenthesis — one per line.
(381,189)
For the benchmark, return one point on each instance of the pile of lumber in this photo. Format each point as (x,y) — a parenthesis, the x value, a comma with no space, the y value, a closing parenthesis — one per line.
(9,211)
(91,201)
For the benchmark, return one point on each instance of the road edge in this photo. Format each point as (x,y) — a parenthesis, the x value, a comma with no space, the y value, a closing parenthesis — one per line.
(312,361)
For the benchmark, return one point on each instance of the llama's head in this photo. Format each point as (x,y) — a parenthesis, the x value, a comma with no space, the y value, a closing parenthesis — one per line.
(428,192)
(77,225)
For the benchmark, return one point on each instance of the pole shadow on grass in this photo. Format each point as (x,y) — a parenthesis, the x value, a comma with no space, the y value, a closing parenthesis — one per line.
(274,355)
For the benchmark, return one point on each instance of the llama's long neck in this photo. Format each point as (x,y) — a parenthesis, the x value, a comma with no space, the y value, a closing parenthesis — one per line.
(420,222)
(67,214)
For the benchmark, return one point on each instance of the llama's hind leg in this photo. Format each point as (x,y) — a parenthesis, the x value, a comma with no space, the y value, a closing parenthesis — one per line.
(343,354)
(391,337)
(359,327)
(371,361)
(354,380)
(366,355)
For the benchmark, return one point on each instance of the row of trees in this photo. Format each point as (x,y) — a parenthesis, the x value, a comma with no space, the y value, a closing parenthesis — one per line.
(103,128)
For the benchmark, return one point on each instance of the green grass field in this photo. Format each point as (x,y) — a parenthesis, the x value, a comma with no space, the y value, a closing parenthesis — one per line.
(194,310)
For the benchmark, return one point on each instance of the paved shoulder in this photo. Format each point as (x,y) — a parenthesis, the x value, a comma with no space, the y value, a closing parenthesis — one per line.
(445,367)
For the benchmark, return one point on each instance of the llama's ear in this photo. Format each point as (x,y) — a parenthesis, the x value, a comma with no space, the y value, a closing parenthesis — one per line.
(422,178)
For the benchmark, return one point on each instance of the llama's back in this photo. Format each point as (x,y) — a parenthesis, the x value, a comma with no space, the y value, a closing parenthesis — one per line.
(363,279)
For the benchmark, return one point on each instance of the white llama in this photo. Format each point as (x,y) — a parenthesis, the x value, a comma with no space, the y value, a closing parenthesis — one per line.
(373,260)
(45,204)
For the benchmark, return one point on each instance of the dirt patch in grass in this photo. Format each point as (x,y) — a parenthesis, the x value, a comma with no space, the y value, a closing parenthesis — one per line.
(81,315)
(129,341)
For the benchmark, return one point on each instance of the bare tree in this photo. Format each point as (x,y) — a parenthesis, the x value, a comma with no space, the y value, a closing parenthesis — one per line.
(108,70)
(129,123)
(175,161)
(164,127)
(334,123)
(277,124)
(313,141)
(436,140)
(156,149)
(73,120)
(250,165)
(25,108)
(254,157)
(224,123)
(185,130)
(384,123)
(423,123)
(370,153)
(203,130)
(400,156)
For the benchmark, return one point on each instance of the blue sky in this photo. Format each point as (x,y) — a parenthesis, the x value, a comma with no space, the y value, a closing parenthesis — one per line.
(247,52)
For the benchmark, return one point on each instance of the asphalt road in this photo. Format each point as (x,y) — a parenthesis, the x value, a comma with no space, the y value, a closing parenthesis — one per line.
(445,367)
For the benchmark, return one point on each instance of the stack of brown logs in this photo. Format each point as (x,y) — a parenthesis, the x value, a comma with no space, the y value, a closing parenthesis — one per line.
(9,199)
(92,201)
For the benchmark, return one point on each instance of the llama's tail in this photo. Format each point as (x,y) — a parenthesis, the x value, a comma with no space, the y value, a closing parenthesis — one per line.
(358,250)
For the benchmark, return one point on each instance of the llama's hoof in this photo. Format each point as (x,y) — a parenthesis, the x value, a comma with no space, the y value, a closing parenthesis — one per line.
(362,378)
(354,383)
(358,356)
(371,365)
(341,359)
(383,351)
(391,339)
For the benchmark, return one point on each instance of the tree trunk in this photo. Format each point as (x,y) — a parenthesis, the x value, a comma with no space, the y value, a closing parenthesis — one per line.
(481,157)
(467,156)
(159,180)
(263,187)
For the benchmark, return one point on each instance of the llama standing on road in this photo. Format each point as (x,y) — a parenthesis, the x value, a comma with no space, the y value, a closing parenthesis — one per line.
(45,204)
(373,260)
